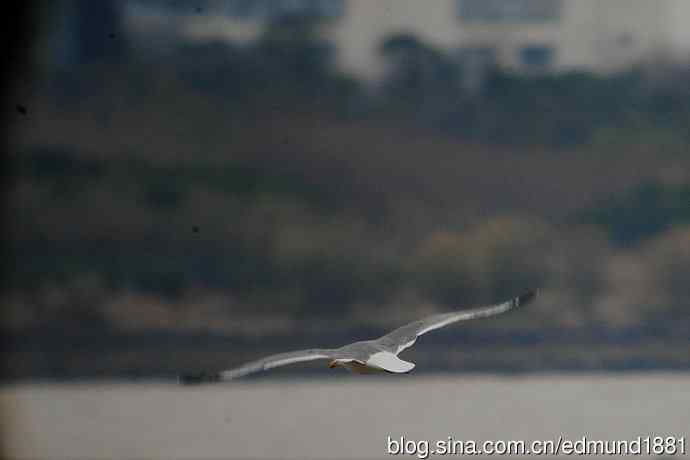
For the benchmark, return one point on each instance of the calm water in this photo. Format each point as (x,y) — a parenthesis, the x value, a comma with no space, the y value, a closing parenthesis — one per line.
(333,418)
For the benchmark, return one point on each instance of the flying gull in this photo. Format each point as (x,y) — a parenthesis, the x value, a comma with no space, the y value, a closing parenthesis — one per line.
(369,356)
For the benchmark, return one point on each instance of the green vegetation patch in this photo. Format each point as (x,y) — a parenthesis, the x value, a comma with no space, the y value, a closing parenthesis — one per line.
(642,213)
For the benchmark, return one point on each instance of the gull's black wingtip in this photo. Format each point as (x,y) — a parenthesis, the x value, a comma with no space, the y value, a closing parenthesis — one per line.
(526,298)
(198,378)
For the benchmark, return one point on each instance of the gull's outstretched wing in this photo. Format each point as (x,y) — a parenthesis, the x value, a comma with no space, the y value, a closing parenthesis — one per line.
(282,359)
(405,336)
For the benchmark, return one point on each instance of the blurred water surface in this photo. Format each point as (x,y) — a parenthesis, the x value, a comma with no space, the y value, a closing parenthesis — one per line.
(333,418)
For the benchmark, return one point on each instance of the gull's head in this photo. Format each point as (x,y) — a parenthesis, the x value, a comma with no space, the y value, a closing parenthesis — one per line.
(333,364)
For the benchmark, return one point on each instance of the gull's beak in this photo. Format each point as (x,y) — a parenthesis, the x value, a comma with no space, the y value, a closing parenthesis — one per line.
(333,364)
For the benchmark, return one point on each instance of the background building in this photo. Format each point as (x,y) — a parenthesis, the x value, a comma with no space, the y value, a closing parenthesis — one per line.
(524,35)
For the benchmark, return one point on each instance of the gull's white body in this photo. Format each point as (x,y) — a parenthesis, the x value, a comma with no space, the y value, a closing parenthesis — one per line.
(382,361)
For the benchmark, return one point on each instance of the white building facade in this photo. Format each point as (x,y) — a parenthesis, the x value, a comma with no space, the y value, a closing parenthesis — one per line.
(523,35)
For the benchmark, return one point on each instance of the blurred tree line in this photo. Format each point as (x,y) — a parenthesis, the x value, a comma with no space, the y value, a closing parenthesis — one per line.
(136,242)
(424,84)
(291,63)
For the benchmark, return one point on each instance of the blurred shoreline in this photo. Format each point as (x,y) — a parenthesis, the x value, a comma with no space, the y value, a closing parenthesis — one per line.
(162,355)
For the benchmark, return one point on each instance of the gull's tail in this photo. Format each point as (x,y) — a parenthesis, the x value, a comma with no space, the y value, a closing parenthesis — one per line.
(197,378)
